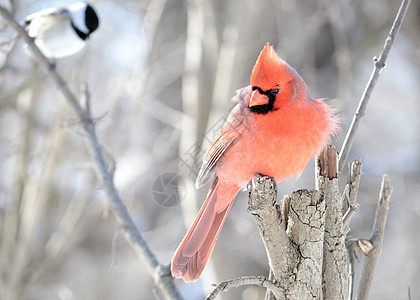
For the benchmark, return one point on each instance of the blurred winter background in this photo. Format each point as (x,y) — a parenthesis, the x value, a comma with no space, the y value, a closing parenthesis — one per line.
(161,74)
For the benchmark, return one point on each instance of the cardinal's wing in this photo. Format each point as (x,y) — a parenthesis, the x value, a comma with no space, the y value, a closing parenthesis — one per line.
(231,130)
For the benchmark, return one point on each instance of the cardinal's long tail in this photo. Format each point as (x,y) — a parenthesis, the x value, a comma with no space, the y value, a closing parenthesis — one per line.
(193,253)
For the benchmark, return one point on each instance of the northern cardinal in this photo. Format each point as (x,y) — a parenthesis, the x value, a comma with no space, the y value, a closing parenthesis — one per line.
(274,129)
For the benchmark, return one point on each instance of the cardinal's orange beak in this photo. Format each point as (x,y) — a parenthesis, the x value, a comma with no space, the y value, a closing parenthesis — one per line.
(258,99)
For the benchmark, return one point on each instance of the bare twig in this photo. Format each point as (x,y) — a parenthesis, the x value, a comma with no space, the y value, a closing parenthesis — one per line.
(268,294)
(347,217)
(351,250)
(245,280)
(342,50)
(379,65)
(355,174)
(345,199)
(160,274)
(352,187)
(372,247)
(349,207)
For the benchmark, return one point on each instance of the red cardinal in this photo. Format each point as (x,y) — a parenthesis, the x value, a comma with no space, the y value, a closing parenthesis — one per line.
(274,129)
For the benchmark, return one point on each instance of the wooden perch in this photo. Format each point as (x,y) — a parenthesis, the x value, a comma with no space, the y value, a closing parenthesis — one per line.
(295,252)
(334,268)
(306,251)
(262,205)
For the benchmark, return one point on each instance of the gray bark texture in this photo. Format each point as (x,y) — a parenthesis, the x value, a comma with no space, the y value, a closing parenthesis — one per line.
(304,239)
(334,271)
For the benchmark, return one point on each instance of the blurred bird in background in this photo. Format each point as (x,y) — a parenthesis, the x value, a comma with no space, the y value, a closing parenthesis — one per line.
(63,31)
(274,130)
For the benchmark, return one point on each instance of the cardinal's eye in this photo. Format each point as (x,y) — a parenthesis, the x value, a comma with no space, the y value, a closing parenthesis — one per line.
(275,91)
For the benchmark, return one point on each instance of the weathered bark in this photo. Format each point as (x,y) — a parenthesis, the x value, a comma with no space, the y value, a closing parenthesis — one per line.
(304,239)
(281,254)
(334,273)
(306,231)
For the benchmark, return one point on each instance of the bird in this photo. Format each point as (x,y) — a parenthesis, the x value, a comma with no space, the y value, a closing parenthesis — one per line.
(62,31)
(274,129)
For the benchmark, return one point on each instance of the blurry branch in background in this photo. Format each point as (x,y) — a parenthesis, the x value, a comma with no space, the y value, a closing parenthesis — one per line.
(192,64)
(149,27)
(378,67)
(225,63)
(190,91)
(190,78)
(161,274)
(342,51)
(20,222)
(246,280)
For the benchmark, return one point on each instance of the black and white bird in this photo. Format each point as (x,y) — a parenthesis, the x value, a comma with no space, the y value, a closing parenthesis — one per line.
(62,31)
